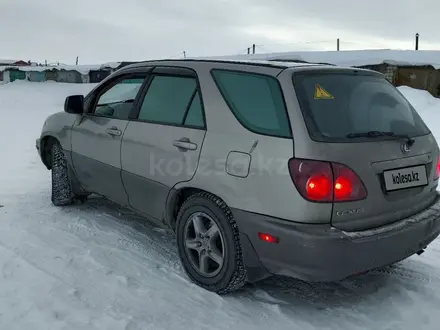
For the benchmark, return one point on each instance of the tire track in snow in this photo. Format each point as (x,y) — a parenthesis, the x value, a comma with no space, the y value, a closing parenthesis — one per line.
(82,287)
(123,229)
(403,272)
(117,240)
(102,225)
(99,223)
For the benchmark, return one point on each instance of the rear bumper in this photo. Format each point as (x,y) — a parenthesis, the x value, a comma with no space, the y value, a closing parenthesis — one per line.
(323,253)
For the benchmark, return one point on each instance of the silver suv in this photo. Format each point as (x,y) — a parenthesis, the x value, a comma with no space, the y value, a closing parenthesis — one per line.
(311,171)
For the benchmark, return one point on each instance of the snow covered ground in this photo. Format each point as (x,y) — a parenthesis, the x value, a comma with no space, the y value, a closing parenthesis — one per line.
(97,266)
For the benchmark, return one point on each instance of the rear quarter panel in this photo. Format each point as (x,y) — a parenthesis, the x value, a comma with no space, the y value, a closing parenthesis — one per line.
(268,188)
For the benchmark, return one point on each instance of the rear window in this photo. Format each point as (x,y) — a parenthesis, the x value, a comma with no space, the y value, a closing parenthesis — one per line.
(337,104)
(256,101)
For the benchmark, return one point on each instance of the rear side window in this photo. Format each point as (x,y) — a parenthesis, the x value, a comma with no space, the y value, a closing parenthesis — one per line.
(335,105)
(169,99)
(256,101)
(195,113)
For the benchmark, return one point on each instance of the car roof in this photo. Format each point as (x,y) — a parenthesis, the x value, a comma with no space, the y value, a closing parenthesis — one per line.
(275,64)
(282,65)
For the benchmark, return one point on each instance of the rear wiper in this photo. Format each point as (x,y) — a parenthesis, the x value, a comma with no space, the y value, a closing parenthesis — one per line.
(374,134)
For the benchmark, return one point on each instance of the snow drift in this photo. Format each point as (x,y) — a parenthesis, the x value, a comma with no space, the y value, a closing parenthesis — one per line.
(350,57)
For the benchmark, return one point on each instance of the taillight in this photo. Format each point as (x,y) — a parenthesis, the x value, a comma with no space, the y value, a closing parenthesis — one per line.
(313,179)
(437,172)
(319,187)
(320,181)
(348,186)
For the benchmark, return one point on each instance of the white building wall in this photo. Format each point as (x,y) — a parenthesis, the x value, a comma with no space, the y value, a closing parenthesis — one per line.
(85,78)
(6,77)
(390,72)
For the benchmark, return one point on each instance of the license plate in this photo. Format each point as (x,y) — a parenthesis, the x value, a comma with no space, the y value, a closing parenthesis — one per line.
(405,178)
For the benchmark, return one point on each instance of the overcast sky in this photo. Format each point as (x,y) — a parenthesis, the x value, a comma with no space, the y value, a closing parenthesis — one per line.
(112,30)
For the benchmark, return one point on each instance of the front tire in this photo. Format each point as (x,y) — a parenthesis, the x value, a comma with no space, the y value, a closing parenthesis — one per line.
(209,246)
(61,188)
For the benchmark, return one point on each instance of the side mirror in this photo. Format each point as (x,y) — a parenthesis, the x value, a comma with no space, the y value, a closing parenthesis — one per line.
(74,104)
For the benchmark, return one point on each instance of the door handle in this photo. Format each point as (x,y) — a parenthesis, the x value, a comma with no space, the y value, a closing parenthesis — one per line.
(113,131)
(185,144)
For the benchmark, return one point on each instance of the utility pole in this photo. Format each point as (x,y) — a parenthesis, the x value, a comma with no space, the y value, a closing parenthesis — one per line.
(184,54)
(253,49)
(77,60)
(337,44)
(417,41)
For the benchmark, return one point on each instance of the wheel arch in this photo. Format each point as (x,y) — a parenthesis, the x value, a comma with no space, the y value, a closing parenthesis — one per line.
(176,197)
(46,144)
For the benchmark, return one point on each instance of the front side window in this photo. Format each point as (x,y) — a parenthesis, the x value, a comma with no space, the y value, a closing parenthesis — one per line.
(117,101)
(172,100)
(339,105)
(256,100)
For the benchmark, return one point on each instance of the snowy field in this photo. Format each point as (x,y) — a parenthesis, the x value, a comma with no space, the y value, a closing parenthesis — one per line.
(96,266)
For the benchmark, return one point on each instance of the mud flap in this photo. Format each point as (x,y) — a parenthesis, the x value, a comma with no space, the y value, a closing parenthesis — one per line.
(255,271)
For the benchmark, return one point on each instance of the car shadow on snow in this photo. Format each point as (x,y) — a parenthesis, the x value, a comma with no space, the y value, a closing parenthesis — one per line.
(290,294)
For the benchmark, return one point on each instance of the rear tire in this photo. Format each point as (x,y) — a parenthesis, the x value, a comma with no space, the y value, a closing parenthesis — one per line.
(61,188)
(209,246)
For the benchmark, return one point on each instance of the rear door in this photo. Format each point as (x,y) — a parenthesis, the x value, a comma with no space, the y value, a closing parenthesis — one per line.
(399,177)
(162,142)
(97,136)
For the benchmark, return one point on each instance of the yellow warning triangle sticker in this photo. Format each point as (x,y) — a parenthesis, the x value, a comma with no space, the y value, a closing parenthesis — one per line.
(322,94)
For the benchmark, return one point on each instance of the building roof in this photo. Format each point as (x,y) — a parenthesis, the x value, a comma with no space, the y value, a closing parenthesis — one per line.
(351,58)
(83,69)
(112,65)
(10,62)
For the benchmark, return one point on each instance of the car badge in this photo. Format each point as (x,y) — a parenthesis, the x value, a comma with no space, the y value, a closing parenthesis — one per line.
(405,148)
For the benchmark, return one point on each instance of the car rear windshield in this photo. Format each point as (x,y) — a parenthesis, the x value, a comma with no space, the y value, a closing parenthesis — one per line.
(336,105)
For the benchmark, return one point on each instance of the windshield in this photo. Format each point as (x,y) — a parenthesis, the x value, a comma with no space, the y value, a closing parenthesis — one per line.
(339,104)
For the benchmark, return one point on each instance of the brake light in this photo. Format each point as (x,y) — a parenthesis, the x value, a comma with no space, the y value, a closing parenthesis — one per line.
(325,181)
(348,186)
(437,172)
(313,179)
(343,188)
(319,187)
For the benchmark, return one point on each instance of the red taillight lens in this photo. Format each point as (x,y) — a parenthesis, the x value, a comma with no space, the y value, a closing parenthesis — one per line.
(326,182)
(319,187)
(313,179)
(437,172)
(348,186)
(343,188)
